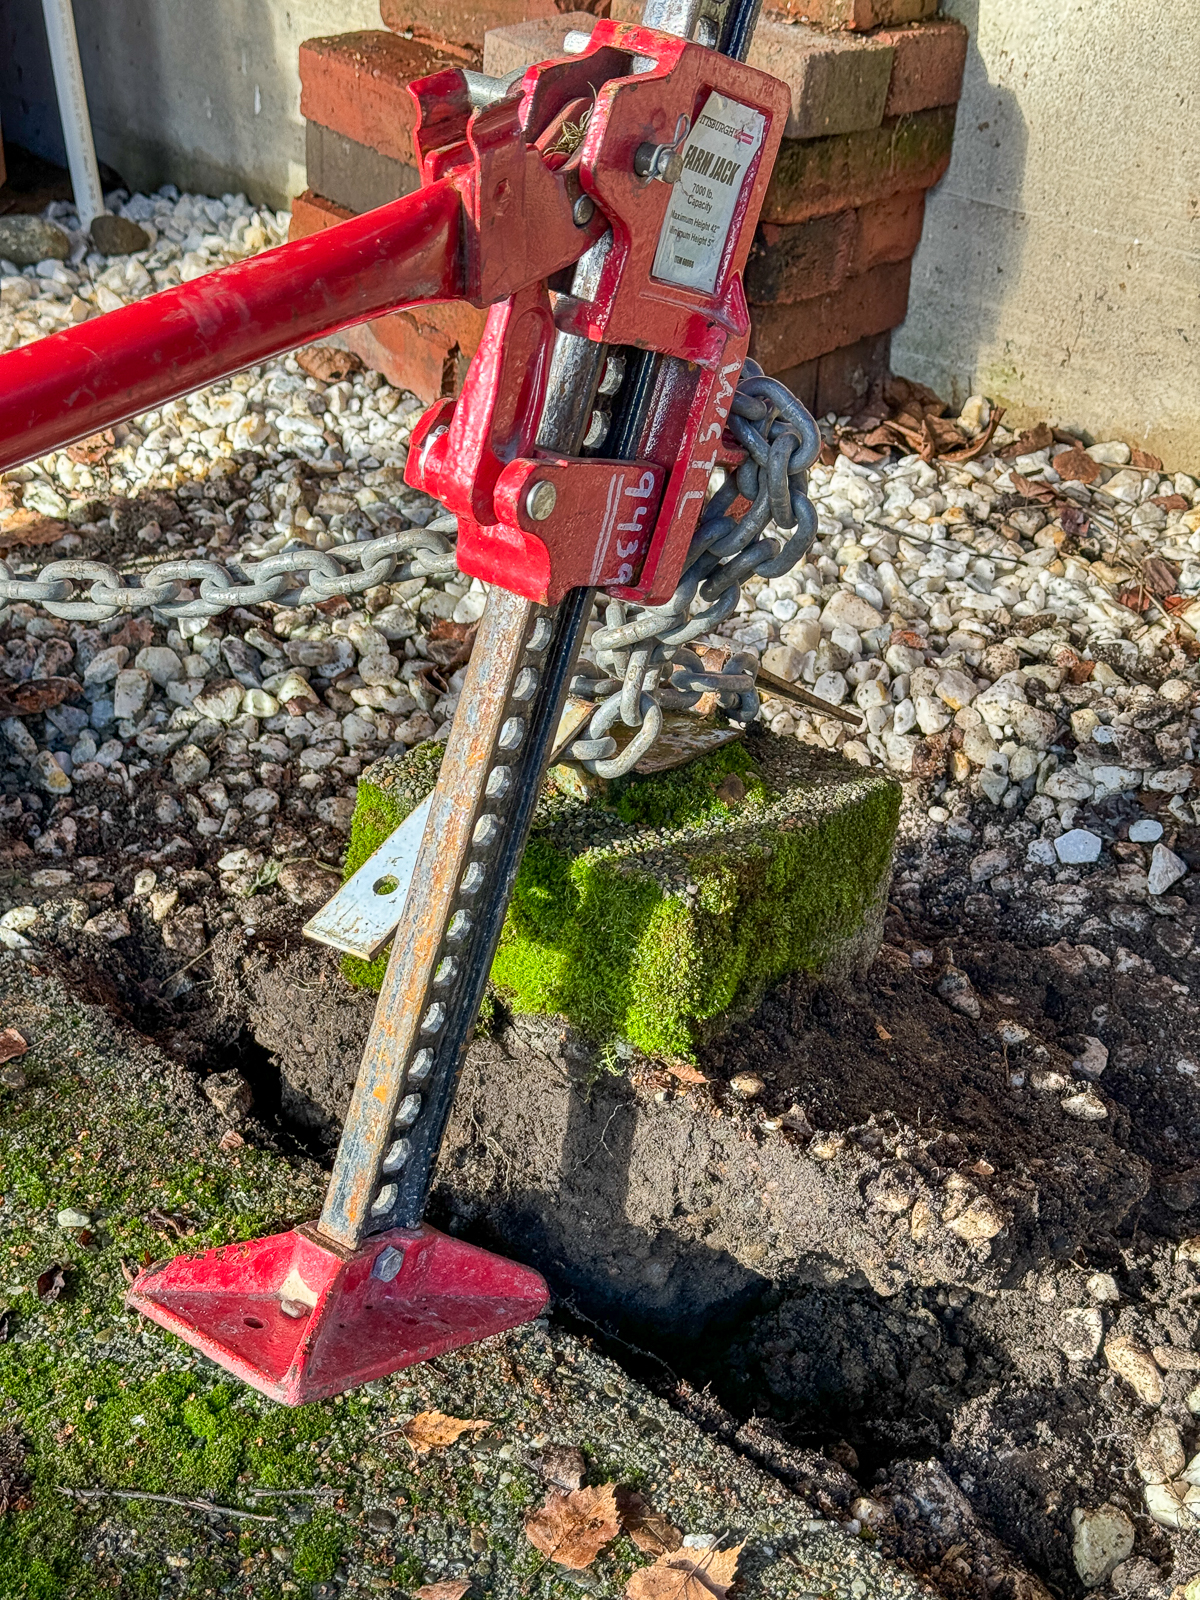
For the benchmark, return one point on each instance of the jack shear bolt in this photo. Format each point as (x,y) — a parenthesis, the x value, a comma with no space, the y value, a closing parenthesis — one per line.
(541,500)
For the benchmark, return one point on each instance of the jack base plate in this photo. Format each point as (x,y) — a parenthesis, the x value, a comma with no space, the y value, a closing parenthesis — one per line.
(300,1318)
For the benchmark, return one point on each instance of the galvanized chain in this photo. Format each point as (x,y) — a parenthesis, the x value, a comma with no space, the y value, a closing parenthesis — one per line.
(644,649)
(300,576)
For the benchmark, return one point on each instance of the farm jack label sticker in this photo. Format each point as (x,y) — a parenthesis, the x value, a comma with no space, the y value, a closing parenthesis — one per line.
(717,154)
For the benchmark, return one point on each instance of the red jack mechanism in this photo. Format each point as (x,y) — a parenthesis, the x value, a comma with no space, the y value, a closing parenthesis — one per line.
(602,206)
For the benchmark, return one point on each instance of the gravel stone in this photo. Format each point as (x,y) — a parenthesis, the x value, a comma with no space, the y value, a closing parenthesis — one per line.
(1166,868)
(1078,847)
(25,241)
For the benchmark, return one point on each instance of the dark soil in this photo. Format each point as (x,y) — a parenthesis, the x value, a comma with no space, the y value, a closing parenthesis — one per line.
(746,1257)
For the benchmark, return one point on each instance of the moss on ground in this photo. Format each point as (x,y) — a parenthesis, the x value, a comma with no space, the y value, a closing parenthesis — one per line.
(95,1400)
(668,910)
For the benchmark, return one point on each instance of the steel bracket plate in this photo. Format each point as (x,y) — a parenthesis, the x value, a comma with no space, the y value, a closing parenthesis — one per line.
(365,912)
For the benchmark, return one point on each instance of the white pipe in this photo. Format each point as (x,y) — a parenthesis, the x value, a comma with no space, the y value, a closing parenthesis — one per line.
(73,110)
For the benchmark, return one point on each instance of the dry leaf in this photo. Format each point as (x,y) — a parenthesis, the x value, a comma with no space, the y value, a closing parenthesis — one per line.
(37,694)
(452,1589)
(1076,466)
(31,527)
(327,363)
(1039,437)
(686,1074)
(572,1529)
(51,1283)
(1160,576)
(882,1032)
(89,451)
(449,643)
(1144,461)
(429,1429)
(686,1575)
(12,1045)
(1170,502)
(648,1529)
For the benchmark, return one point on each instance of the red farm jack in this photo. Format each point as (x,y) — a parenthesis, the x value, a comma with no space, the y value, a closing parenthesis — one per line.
(602,206)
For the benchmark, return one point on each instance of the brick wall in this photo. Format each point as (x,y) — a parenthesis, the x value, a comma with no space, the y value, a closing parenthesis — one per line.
(874,85)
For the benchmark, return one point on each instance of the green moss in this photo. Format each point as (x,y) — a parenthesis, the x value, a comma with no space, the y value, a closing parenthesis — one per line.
(318,1549)
(658,916)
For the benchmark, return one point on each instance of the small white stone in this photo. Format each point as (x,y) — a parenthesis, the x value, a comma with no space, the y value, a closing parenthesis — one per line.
(1113,453)
(189,765)
(1078,847)
(831,686)
(1081,1333)
(846,607)
(1165,869)
(163,665)
(1103,1539)
(105,664)
(1085,1106)
(1094,1058)
(1145,831)
(1130,1360)
(49,774)
(131,690)
(258,703)
(1041,853)
(221,699)
(73,1219)
(1102,1287)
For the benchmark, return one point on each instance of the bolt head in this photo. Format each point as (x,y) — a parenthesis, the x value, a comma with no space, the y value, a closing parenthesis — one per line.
(583,210)
(541,500)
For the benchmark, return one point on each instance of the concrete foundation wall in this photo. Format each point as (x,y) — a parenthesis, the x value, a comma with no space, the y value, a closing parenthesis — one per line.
(1059,269)
(202,93)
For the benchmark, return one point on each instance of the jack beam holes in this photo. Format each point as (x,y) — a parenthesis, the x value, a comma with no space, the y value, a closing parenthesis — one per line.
(422,1066)
(540,637)
(512,733)
(526,683)
(253,1322)
(499,782)
(472,879)
(434,1018)
(396,1157)
(487,831)
(384,1200)
(446,973)
(460,927)
(410,1110)
(386,885)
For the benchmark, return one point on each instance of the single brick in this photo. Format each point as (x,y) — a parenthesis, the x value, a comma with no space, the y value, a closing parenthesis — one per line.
(426,349)
(888,230)
(785,336)
(858,16)
(839,83)
(352,174)
(462,23)
(801,260)
(357,85)
(928,67)
(814,177)
(523,43)
(845,377)
(841,381)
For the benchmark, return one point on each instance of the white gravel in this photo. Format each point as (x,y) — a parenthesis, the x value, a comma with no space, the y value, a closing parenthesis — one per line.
(984,646)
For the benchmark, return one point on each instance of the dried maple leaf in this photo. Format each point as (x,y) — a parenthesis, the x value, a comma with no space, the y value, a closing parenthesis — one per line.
(686,1575)
(1039,437)
(89,451)
(572,1529)
(1076,466)
(431,1429)
(30,527)
(12,1045)
(451,1589)
(327,363)
(686,1074)
(648,1529)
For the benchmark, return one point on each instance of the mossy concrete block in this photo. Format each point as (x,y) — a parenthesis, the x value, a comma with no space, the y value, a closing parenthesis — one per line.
(664,914)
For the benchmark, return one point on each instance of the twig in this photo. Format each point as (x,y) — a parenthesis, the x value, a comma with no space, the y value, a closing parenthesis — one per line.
(264,1494)
(163,1500)
(781,689)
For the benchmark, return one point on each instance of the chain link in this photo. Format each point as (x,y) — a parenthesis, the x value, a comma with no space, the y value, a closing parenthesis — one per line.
(644,649)
(91,591)
(642,652)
